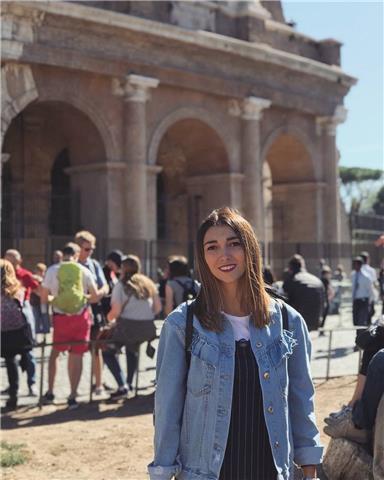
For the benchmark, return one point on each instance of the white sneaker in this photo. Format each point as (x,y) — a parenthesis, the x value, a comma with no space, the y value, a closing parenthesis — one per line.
(336,417)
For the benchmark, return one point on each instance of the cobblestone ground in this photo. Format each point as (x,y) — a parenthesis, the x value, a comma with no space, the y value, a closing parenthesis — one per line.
(343,361)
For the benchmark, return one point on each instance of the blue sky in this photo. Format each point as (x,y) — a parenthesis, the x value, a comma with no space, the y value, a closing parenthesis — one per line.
(359,26)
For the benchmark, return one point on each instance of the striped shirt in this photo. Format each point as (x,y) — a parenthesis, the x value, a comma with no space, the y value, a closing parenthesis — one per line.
(248,454)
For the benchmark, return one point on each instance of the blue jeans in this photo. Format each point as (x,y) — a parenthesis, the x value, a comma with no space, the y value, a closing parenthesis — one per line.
(364,410)
(112,362)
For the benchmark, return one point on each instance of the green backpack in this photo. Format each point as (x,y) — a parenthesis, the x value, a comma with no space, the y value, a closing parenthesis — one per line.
(71,298)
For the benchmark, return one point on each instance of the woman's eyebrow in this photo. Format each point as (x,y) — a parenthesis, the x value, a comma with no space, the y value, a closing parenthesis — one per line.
(215,241)
(209,241)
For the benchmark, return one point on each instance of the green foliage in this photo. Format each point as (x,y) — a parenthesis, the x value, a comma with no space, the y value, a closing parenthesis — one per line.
(357,174)
(12,454)
(378,205)
(358,187)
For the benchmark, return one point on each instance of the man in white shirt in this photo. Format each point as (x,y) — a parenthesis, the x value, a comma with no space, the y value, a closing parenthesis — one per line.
(371,273)
(362,291)
(72,287)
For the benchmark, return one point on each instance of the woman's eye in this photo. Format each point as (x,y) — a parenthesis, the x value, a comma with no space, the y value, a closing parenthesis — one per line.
(235,243)
(211,247)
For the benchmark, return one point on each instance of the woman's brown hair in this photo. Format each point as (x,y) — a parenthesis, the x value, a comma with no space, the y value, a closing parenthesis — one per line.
(141,286)
(10,286)
(254,299)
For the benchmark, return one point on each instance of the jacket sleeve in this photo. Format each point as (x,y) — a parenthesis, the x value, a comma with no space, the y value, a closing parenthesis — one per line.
(306,437)
(170,394)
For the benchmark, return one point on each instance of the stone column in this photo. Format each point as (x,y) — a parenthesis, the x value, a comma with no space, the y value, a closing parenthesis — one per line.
(135,91)
(326,129)
(250,110)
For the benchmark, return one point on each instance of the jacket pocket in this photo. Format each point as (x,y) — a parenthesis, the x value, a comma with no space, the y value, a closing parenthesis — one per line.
(204,360)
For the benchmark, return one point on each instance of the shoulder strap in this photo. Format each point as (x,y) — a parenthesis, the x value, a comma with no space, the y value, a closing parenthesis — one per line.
(284,312)
(188,333)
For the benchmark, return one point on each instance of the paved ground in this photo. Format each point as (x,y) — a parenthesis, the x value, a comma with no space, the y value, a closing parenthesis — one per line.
(343,361)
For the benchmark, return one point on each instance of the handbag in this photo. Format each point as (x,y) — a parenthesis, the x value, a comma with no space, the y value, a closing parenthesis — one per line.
(370,338)
(105,333)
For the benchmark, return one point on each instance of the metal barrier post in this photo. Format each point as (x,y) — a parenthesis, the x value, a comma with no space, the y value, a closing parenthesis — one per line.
(42,360)
(137,372)
(92,359)
(329,354)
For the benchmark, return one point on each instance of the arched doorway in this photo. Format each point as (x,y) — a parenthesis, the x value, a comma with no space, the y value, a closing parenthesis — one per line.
(44,142)
(193,160)
(291,194)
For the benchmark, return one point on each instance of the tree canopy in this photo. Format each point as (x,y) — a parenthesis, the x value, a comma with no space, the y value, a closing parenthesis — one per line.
(358,174)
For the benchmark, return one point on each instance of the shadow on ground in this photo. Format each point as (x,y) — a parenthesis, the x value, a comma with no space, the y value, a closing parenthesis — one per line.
(53,414)
(335,353)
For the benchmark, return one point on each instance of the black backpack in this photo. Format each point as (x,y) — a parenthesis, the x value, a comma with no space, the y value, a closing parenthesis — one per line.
(189,290)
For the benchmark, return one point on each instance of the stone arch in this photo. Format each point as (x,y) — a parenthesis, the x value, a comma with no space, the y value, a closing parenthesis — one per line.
(87,108)
(18,90)
(185,113)
(292,174)
(302,137)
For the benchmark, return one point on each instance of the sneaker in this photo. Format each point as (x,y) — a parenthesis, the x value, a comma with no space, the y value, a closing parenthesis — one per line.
(107,387)
(72,404)
(98,391)
(48,398)
(11,404)
(5,391)
(334,417)
(119,393)
(345,428)
(32,391)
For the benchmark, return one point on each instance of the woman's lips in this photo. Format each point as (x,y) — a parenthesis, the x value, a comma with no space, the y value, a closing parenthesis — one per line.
(227,268)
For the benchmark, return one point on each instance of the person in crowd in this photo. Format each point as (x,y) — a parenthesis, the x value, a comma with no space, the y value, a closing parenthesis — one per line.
(179,285)
(362,292)
(112,273)
(87,244)
(16,334)
(305,292)
(27,280)
(162,279)
(72,287)
(357,423)
(371,347)
(268,277)
(242,408)
(329,293)
(40,321)
(339,273)
(57,256)
(371,273)
(134,305)
(381,286)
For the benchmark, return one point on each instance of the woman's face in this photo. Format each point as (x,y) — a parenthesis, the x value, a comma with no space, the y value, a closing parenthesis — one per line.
(224,254)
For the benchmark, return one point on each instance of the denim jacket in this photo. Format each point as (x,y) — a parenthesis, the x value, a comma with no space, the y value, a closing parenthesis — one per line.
(193,409)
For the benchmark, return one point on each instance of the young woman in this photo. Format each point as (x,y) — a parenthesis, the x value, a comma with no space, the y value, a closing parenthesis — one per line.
(16,333)
(243,410)
(134,303)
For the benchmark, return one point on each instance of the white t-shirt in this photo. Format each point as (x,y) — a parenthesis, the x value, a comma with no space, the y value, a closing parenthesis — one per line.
(135,309)
(240,326)
(51,283)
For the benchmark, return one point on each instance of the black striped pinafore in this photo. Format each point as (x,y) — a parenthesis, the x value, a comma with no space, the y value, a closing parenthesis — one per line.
(248,454)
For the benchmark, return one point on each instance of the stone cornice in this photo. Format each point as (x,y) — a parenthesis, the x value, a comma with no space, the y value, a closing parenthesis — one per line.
(329,124)
(96,167)
(288,186)
(202,39)
(217,177)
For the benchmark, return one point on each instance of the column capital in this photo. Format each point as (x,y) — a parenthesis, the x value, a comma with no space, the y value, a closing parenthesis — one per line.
(329,124)
(250,108)
(134,88)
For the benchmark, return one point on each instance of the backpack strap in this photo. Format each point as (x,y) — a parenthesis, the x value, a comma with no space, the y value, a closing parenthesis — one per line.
(284,313)
(188,333)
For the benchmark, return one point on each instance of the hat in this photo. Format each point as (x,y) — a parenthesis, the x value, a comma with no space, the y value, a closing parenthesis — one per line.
(358,259)
(116,256)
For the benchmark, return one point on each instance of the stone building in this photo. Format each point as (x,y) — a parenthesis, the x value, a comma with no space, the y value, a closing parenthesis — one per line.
(134,119)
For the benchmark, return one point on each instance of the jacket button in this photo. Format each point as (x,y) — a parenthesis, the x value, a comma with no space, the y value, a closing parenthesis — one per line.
(266,375)
(270,409)
(277,444)
(259,344)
